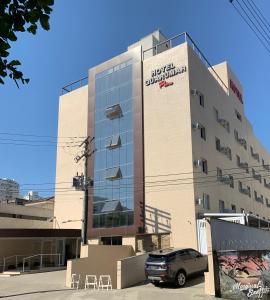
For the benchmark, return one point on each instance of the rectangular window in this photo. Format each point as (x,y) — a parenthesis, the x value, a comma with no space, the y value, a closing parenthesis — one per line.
(233,208)
(206,202)
(203,132)
(216,114)
(218,144)
(201,99)
(231,182)
(221,206)
(204,166)
(219,173)
(238,116)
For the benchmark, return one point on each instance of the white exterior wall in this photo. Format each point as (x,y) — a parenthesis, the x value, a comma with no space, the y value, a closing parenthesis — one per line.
(72,122)
(226,104)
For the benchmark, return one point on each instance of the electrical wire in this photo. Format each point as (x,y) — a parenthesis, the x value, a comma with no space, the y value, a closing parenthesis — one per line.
(42,136)
(259,14)
(158,183)
(252,12)
(254,31)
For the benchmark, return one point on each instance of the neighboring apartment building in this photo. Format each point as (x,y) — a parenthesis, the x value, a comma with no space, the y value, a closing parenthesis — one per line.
(30,215)
(9,190)
(32,196)
(172,143)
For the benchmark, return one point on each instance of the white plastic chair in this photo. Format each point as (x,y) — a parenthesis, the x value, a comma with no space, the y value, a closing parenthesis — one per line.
(91,281)
(75,281)
(105,282)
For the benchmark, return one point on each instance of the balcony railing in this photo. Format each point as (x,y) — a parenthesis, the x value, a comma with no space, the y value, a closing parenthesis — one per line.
(181,38)
(41,261)
(74,85)
(13,260)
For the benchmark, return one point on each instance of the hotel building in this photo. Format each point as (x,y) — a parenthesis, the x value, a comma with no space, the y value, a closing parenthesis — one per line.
(172,142)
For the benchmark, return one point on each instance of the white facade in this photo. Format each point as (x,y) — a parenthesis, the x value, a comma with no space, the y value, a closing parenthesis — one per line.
(9,190)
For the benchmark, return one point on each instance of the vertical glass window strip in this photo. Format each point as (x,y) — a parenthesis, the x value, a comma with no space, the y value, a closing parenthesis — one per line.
(113,162)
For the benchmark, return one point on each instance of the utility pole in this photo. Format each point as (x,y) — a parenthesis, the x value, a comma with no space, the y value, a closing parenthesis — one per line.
(83,183)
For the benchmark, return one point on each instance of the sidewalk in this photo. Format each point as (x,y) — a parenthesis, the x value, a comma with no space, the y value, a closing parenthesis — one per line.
(51,286)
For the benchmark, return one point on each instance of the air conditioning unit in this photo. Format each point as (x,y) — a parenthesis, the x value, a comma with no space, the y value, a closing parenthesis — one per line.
(194,92)
(196,125)
(198,201)
(197,163)
(242,141)
(246,191)
(223,122)
(225,150)
(226,179)
(243,165)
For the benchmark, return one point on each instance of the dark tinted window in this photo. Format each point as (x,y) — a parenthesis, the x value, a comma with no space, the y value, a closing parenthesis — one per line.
(161,258)
(194,253)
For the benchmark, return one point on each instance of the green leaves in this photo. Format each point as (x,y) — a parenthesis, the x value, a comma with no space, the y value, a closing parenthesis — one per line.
(19,16)
(44,21)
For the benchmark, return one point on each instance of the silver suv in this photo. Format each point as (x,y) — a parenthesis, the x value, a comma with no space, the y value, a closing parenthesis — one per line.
(174,265)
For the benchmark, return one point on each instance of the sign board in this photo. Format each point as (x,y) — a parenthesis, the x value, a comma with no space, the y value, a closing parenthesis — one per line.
(162,74)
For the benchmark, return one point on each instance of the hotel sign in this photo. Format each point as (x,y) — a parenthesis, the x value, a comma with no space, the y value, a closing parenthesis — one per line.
(161,74)
(236,91)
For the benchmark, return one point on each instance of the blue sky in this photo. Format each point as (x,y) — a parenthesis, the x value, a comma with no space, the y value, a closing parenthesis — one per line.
(84,33)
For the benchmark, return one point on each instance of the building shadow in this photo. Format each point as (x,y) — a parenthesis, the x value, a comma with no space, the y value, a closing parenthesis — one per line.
(36,292)
(191,282)
(156,219)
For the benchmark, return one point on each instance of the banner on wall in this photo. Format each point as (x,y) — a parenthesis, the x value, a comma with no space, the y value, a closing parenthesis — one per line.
(244,274)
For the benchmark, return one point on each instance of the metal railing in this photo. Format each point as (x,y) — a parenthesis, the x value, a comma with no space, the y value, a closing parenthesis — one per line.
(40,261)
(178,39)
(74,85)
(15,259)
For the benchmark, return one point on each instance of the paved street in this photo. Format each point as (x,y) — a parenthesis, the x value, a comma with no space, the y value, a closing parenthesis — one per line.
(51,286)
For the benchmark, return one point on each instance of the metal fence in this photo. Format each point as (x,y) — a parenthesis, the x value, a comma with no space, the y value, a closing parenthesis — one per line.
(74,85)
(180,39)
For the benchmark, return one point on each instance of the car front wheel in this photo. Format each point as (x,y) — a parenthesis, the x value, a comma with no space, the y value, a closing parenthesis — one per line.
(181,279)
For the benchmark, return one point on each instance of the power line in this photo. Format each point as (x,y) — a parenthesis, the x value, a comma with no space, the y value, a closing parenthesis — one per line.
(40,141)
(259,13)
(162,183)
(42,136)
(259,23)
(36,145)
(159,175)
(254,31)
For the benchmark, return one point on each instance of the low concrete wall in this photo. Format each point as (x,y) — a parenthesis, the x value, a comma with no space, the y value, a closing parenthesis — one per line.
(130,271)
(101,260)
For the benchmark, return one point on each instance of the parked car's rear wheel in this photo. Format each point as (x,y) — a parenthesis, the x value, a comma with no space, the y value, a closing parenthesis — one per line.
(181,279)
